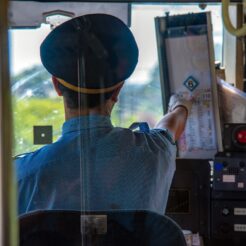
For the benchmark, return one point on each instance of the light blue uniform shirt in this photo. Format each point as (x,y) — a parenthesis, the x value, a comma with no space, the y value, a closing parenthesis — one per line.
(95,166)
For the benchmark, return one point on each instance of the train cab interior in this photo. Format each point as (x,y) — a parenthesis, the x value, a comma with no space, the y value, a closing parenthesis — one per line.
(194,49)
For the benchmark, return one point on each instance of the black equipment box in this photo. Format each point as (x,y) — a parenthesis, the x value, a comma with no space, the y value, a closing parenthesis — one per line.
(189,196)
(228,205)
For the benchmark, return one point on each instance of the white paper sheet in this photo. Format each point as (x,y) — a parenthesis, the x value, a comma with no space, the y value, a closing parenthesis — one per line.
(189,56)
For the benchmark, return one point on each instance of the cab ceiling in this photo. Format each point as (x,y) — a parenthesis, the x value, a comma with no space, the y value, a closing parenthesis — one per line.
(31,14)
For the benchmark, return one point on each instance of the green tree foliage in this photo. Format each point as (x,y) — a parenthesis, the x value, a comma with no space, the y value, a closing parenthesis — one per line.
(35,112)
(34,104)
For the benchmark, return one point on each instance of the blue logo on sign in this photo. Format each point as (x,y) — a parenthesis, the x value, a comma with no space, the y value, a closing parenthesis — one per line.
(191,83)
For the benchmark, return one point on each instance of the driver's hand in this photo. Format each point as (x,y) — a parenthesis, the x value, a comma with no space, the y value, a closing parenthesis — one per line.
(175,101)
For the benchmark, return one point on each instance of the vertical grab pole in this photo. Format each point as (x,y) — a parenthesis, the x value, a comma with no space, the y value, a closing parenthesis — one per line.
(8,211)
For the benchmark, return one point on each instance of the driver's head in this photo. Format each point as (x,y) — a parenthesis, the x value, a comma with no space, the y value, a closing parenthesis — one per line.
(89,57)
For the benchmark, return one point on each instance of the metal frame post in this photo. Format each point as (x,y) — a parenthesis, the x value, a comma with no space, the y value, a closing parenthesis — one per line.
(8,211)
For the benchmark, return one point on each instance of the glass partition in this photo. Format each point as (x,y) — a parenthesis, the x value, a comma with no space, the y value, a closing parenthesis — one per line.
(70,154)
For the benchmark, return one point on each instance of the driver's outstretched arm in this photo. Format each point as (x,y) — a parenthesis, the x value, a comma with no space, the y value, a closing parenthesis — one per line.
(175,119)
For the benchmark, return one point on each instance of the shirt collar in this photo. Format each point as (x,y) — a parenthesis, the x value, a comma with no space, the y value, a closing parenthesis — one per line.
(86,122)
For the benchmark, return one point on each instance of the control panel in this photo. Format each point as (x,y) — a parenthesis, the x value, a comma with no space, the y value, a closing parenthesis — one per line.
(229,221)
(229,172)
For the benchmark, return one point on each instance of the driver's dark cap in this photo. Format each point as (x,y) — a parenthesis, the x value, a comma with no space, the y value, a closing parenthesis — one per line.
(91,53)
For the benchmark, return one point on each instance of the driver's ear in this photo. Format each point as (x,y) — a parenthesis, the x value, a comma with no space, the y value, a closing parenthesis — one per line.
(116,93)
(55,83)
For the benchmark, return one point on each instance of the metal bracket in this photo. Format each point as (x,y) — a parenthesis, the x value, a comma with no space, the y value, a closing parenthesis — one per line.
(93,224)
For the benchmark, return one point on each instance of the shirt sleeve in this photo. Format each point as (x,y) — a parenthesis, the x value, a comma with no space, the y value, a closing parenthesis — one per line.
(162,142)
(166,134)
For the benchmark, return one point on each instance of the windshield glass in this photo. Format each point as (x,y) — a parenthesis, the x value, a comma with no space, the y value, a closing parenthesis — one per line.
(35,103)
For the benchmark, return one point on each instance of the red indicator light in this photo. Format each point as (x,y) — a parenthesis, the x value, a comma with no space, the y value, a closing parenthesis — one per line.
(241,137)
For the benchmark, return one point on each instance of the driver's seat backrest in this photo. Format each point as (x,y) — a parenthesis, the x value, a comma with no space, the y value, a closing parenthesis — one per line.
(104,228)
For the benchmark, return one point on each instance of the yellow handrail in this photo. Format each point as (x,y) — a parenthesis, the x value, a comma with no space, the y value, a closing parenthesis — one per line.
(8,205)
(240,32)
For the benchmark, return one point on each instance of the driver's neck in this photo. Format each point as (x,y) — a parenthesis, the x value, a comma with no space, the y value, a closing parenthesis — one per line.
(104,110)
